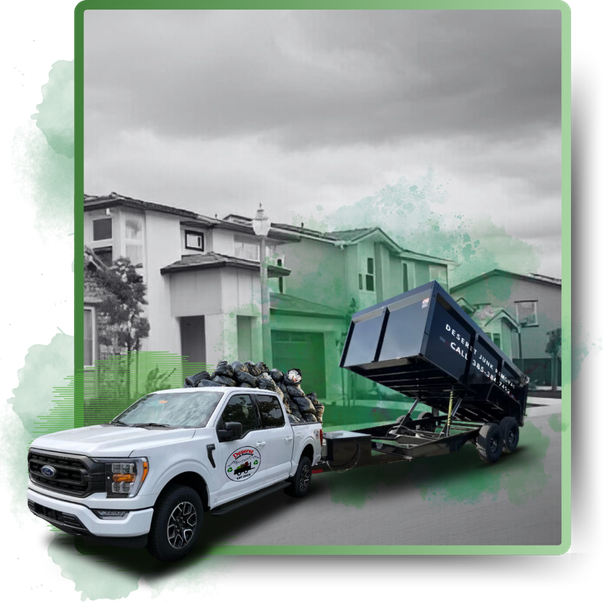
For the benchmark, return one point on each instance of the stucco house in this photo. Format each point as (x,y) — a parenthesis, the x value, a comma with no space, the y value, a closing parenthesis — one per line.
(517,312)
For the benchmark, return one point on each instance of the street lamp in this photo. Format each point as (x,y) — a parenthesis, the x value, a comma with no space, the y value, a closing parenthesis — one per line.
(261,225)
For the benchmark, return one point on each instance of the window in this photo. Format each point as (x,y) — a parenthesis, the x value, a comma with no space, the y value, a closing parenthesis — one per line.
(405,278)
(102,229)
(369,278)
(527,313)
(89,336)
(241,410)
(193,240)
(360,286)
(280,263)
(496,338)
(271,412)
(104,254)
(134,253)
(133,229)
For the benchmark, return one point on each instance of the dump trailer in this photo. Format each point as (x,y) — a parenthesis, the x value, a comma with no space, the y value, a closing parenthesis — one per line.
(424,345)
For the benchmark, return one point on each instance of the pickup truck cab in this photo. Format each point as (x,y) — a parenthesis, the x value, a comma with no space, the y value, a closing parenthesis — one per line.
(147,477)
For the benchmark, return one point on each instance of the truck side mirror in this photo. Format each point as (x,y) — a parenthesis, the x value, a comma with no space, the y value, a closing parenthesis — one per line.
(231,431)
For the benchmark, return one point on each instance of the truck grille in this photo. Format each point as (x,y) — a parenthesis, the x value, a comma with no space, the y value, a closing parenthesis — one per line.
(74,475)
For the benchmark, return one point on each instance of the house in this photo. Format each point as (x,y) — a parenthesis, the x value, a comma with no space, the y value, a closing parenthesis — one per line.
(517,312)
(204,291)
(203,287)
(347,271)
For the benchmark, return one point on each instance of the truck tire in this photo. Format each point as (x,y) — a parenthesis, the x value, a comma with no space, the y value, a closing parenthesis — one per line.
(300,482)
(510,434)
(176,523)
(489,443)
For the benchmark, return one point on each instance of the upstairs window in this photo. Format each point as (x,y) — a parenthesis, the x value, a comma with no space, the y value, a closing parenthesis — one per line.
(104,254)
(193,240)
(102,229)
(527,313)
(370,275)
(133,229)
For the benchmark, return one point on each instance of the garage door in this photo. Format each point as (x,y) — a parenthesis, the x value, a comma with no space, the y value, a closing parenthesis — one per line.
(304,351)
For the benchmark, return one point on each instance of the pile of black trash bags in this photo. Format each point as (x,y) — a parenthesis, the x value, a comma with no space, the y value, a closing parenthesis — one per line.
(301,407)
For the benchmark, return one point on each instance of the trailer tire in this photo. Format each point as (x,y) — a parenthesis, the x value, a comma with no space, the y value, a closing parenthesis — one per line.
(510,434)
(403,418)
(300,482)
(430,427)
(176,524)
(490,443)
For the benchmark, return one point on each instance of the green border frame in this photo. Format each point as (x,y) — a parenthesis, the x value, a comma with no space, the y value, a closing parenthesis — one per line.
(566,403)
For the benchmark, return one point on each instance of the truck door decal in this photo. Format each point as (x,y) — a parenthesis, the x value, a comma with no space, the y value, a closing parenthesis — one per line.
(243,464)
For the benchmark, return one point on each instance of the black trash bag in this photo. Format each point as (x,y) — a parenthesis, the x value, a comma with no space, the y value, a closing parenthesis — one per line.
(304,404)
(245,385)
(295,418)
(314,398)
(276,375)
(264,383)
(244,377)
(207,383)
(295,391)
(223,380)
(224,370)
(310,419)
(239,367)
(193,380)
(253,369)
(282,386)
(263,367)
(320,412)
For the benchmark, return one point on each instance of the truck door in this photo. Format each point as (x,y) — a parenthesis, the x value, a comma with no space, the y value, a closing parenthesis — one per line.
(241,460)
(279,437)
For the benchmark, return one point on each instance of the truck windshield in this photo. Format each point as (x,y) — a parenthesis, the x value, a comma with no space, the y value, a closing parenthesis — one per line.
(180,409)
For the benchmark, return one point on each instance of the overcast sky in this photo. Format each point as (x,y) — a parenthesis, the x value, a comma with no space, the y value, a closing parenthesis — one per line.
(312,112)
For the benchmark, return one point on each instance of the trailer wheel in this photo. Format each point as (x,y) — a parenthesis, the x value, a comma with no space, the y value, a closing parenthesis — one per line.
(489,443)
(510,434)
(430,427)
(300,482)
(176,523)
(403,418)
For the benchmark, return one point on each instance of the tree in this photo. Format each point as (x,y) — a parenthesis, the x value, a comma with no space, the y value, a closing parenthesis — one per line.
(553,347)
(123,312)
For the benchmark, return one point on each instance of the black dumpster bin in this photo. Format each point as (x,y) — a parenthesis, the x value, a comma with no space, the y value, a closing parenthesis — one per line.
(424,345)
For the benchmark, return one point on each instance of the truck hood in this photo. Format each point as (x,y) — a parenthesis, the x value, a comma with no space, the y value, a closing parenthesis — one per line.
(111,441)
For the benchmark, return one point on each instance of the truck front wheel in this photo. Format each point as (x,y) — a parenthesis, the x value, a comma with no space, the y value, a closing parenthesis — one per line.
(176,523)
(299,483)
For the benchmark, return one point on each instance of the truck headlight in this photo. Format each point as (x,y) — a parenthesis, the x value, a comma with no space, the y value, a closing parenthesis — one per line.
(125,477)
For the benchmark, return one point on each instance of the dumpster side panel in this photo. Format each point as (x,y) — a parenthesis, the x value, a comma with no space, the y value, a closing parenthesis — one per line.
(449,344)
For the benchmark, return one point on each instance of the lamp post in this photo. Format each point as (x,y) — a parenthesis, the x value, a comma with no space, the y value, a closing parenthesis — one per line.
(261,225)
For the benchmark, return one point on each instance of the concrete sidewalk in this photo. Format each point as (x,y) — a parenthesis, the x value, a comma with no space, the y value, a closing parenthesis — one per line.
(538,401)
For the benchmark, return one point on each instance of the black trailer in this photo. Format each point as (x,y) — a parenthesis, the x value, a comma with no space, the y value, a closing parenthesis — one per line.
(423,345)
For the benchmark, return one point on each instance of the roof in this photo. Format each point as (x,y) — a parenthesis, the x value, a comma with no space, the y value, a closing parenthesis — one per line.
(94,202)
(530,277)
(285,304)
(488,313)
(353,236)
(211,260)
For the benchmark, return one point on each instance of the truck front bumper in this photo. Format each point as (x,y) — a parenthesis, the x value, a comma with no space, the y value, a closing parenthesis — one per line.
(79,520)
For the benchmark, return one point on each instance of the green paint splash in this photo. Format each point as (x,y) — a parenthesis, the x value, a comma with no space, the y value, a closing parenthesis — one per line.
(556,424)
(41,162)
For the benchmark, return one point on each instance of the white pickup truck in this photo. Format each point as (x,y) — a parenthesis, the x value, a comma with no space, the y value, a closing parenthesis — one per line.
(147,477)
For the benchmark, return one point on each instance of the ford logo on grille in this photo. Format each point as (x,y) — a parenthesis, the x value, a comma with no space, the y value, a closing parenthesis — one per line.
(48,471)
